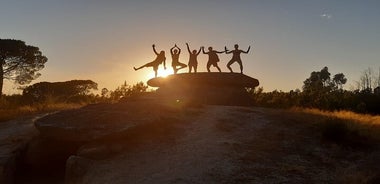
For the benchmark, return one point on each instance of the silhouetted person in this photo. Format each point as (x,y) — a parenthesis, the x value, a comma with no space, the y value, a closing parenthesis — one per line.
(156,62)
(236,57)
(213,58)
(175,59)
(193,62)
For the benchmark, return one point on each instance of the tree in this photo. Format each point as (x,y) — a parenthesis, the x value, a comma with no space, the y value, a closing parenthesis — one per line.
(339,80)
(19,62)
(126,90)
(318,81)
(63,91)
(105,93)
(319,90)
(368,81)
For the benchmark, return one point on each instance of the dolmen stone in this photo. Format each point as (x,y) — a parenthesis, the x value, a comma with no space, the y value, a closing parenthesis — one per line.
(206,88)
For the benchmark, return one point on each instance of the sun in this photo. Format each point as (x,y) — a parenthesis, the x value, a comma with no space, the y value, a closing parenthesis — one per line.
(164,73)
(161,72)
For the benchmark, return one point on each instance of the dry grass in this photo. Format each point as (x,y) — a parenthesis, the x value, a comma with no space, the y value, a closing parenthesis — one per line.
(348,115)
(27,110)
(305,146)
(346,122)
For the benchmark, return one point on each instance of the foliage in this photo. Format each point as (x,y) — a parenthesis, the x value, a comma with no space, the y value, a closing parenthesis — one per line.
(126,90)
(322,92)
(68,91)
(345,128)
(278,99)
(19,62)
(27,110)
(52,96)
(338,131)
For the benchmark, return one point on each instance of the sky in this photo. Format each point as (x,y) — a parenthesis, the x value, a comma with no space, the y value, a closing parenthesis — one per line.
(103,40)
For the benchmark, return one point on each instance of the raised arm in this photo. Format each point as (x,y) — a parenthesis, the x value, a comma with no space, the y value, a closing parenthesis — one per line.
(246,52)
(226,50)
(154,49)
(203,50)
(171,50)
(188,48)
(199,51)
(179,49)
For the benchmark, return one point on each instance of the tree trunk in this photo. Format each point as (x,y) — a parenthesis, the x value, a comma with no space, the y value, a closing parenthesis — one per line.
(1,78)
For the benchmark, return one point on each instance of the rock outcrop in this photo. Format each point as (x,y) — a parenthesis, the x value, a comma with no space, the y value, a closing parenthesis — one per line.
(14,137)
(76,139)
(97,132)
(206,88)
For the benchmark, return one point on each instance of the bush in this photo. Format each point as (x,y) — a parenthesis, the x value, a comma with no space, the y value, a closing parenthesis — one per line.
(343,133)
(335,130)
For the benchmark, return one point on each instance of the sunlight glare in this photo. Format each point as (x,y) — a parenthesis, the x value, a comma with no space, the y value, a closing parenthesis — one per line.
(161,73)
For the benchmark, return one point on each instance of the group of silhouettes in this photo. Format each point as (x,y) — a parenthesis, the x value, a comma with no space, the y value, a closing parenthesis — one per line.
(213,58)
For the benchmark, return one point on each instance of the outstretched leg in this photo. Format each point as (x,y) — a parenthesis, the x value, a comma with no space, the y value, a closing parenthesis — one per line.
(241,66)
(138,67)
(146,65)
(218,68)
(229,65)
(195,68)
(208,67)
(182,65)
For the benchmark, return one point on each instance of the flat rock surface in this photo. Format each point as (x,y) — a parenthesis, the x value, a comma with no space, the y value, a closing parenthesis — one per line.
(97,121)
(226,144)
(200,155)
(14,136)
(204,78)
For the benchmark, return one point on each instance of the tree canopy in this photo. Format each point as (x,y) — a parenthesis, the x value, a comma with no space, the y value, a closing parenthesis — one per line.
(63,90)
(320,81)
(19,62)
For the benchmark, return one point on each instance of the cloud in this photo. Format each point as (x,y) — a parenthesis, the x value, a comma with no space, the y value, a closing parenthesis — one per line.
(326,16)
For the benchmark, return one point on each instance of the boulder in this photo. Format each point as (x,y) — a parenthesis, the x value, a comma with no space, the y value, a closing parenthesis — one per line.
(76,168)
(206,88)
(99,121)
(14,138)
(205,79)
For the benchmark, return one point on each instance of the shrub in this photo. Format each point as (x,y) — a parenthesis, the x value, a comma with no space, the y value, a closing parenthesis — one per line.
(344,133)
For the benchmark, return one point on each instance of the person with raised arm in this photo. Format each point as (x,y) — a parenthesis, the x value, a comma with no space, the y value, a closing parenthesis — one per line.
(213,58)
(175,51)
(193,62)
(236,57)
(156,62)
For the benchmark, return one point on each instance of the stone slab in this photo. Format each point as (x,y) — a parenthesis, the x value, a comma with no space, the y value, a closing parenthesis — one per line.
(205,79)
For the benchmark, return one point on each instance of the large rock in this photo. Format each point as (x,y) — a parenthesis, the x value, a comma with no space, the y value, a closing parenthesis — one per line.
(99,121)
(205,79)
(206,88)
(95,132)
(14,137)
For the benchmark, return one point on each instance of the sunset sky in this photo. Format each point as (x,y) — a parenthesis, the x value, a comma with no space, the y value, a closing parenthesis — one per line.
(102,40)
